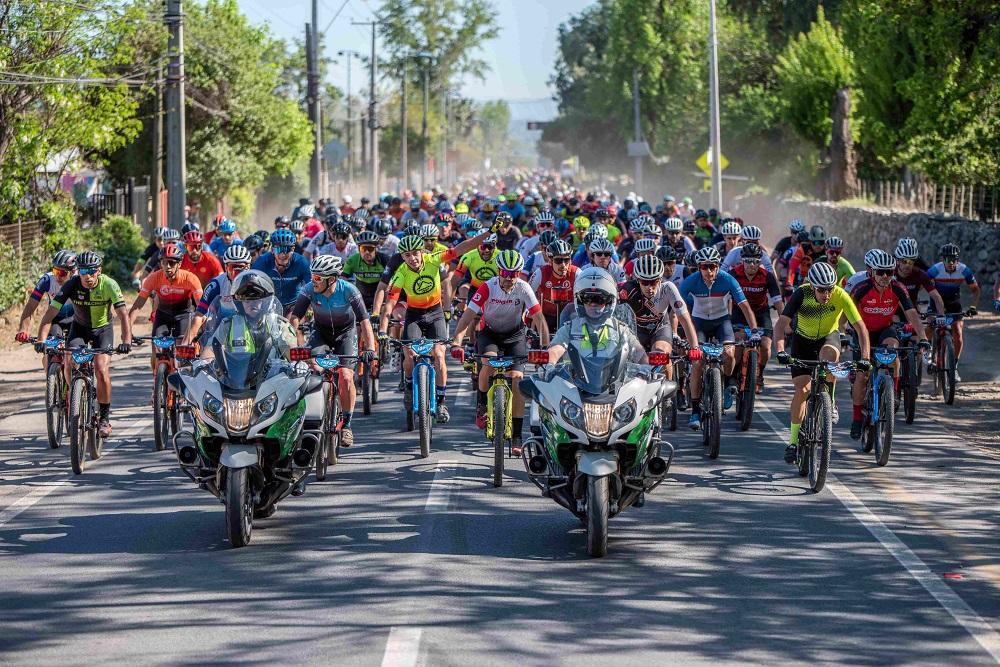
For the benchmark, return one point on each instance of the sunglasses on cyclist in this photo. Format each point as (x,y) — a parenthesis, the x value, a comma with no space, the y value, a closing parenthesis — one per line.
(88,272)
(367,248)
(708,267)
(60,273)
(237,268)
(600,254)
(951,260)
(487,246)
(507,275)
(833,253)
(341,237)
(560,260)
(908,262)
(544,225)
(649,283)
(823,290)
(318,277)
(751,260)
(193,246)
(282,249)
(171,262)
(883,272)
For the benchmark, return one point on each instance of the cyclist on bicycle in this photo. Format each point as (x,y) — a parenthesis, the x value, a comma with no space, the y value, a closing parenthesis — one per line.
(673,237)
(807,253)
(147,254)
(338,309)
(948,276)
(177,292)
(204,265)
(218,293)
(419,278)
(601,253)
(817,306)
(730,233)
(94,296)
(706,294)
(502,303)
(877,299)
(342,245)
(540,257)
(912,277)
(749,235)
(225,237)
(554,279)
(49,285)
(478,265)
(672,269)
(762,292)
(789,241)
(288,271)
(167,236)
(643,248)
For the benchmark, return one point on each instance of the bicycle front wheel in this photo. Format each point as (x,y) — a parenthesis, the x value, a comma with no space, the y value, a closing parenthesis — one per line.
(712,416)
(822,433)
(499,432)
(422,390)
(366,390)
(79,424)
(161,408)
(748,392)
(948,371)
(884,420)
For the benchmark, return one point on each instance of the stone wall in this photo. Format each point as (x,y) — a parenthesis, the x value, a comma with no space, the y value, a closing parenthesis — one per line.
(866,228)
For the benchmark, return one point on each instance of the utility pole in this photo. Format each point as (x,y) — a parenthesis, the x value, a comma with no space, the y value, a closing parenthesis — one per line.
(402,132)
(158,149)
(364,143)
(312,104)
(372,111)
(638,128)
(423,130)
(443,166)
(713,92)
(176,162)
(350,130)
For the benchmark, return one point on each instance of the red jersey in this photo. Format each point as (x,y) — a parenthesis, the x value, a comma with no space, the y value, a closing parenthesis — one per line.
(207,267)
(761,290)
(913,283)
(544,282)
(877,309)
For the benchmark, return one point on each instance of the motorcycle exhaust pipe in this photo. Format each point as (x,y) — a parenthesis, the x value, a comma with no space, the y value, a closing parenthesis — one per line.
(187,455)
(303,456)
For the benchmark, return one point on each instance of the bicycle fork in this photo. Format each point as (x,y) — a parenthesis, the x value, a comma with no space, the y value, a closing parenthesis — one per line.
(432,394)
(508,413)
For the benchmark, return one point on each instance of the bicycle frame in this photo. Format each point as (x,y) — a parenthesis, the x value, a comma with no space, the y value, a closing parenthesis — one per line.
(501,365)
(422,350)
(884,358)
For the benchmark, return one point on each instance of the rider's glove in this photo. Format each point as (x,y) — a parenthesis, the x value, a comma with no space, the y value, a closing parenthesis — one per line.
(447,316)
(367,357)
(755,337)
(382,336)
(971,312)
(22,337)
(677,340)
(375,319)
(864,365)
(694,355)
(924,345)
(784,358)
(136,283)
(124,348)
(458,353)
(39,346)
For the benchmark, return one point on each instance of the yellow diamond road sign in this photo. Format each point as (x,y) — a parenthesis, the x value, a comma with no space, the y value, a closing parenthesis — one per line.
(705,162)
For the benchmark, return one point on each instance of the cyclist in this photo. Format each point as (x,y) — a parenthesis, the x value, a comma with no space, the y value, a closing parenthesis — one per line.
(298,228)
(502,303)
(948,276)
(218,292)
(167,236)
(255,246)
(94,296)
(419,279)
(415,216)
(477,265)
(877,299)
(147,254)
(365,267)
(835,258)
(63,267)
(553,279)
(787,242)
(601,252)
(654,301)
(338,309)
(749,235)
(343,246)
(673,237)
(288,272)
(544,222)
(817,306)
(672,269)
(704,229)
(706,295)
(762,292)
(177,292)
(807,253)
(322,237)
(225,237)
(643,248)
(387,240)
(204,265)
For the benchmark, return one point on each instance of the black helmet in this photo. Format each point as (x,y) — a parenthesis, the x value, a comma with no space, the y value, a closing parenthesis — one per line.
(341,228)
(253,243)
(382,227)
(89,259)
(947,250)
(64,259)
(666,253)
(251,285)
(189,227)
(802,237)
(504,218)
(282,220)
(751,251)
(700,213)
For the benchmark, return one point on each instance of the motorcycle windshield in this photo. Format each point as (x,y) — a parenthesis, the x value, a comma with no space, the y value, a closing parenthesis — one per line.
(597,371)
(245,366)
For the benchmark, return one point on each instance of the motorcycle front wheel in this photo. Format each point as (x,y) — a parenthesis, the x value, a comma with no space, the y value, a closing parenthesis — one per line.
(598,513)
(239,507)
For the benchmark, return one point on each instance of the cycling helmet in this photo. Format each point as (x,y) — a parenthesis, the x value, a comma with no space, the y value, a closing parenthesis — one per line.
(307,211)
(444,218)
(237,254)
(283,237)
(906,249)
(339,228)
(414,204)
(331,219)
(730,228)
(632,214)
(367,238)
(601,245)
(796,226)
(158,232)
(648,267)
(297,226)
(835,242)
(282,220)
(544,216)
(253,243)
(461,219)
(188,227)
(562,226)
(410,243)
(666,253)
(89,259)
(412,230)
(173,251)
(950,250)
(546,238)
(559,248)
(490,238)
(802,237)
(509,260)
(751,251)
(750,233)
(530,225)
(645,245)
(429,231)
(700,213)
(603,214)
(817,234)
(596,288)
(327,266)
(581,222)
(170,235)
(193,237)
(673,225)
(227,227)
(382,228)
(263,235)
(880,259)
(64,259)
(474,227)
(821,274)
(708,255)
(636,226)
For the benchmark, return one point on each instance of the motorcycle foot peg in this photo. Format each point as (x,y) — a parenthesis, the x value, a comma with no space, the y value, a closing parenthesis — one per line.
(299,489)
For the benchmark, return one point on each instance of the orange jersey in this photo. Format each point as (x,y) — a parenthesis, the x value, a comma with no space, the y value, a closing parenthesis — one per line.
(172,297)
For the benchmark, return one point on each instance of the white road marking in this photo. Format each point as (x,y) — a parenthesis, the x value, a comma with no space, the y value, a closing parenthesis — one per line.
(37,493)
(437,499)
(963,614)
(402,648)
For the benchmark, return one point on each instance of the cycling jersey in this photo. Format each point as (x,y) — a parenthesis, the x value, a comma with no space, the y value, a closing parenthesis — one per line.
(784,244)
(798,265)
(91,307)
(173,297)
(366,276)
(855,280)
(544,281)
(47,286)
(710,303)
(616,271)
(582,260)
(914,282)
(735,258)
(422,288)
(219,245)
(338,313)
(217,289)
(818,320)
(414,218)
(761,291)
(683,245)
(503,312)
(331,249)
(288,283)
(677,277)
(205,269)
(478,269)
(844,270)
(949,285)
(651,313)
(877,309)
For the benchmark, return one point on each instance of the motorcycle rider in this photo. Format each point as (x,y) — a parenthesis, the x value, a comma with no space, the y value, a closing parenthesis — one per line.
(257,314)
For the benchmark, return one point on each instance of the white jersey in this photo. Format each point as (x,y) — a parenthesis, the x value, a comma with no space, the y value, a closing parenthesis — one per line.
(667,297)
(616,271)
(331,249)
(734,258)
(527,245)
(677,277)
(390,245)
(503,311)
(855,280)
(320,239)
(534,262)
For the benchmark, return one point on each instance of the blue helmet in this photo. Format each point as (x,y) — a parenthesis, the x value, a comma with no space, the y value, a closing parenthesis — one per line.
(561,226)
(283,237)
(227,227)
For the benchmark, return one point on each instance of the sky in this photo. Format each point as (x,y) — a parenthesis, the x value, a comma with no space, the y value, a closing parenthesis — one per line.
(522,57)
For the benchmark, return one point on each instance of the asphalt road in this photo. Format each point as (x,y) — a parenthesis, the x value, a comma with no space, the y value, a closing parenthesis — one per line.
(397,560)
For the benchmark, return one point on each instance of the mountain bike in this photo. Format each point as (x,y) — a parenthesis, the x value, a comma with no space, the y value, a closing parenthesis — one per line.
(424,408)
(942,364)
(368,375)
(84,434)
(328,453)
(167,404)
(878,415)
(682,368)
(56,390)
(816,434)
(500,410)
(747,370)
(712,386)
(909,363)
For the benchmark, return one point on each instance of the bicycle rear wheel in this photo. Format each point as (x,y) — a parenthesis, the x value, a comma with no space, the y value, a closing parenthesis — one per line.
(948,371)
(366,389)
(822,429)
(323,451)
(79,424)
(499,432)
(909,386)
(748,393)
(95,443)
(884,421)
(54,411)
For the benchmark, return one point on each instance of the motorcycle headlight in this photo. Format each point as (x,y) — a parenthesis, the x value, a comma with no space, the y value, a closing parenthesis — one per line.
(572,413)
(213,407)
(264,409)
(624,413)
(597,418)
(238,412)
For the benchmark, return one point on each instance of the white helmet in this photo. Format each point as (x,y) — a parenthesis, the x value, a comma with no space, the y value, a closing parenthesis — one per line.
(645,245)
(708,255)
(673,225)
(327,266)
(598,230)
(236,254)
(880,259)
(751,233)
(821,274)
(906,248)
(601,245)
(595,287)
(797,226)
(731,228)
(648,267)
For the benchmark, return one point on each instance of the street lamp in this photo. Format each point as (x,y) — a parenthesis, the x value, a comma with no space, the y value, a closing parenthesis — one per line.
(350,154)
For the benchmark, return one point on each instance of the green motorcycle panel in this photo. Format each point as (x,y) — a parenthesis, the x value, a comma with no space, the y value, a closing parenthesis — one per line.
(286,430)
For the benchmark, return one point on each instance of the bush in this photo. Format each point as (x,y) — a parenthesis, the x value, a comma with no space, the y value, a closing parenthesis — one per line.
(61,230)
(15,281)
(120,241)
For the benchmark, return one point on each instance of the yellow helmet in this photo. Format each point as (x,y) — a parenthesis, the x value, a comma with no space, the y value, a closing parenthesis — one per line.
(581,222)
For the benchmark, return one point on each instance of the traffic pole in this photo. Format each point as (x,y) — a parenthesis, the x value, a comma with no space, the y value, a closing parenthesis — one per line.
(176,159)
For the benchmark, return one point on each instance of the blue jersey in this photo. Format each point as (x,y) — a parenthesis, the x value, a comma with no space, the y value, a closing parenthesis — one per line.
(290,282)
(709,303)
(218,286)
(336,314)
(47,286)
(516,212)
(219,247)
(581,260)
(949,285)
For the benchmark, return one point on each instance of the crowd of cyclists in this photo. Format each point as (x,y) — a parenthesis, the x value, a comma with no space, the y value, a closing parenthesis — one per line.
(504,256)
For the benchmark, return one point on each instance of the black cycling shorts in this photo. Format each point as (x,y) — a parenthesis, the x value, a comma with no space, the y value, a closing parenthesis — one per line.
(647,336)
(428,323)
(168,324)
(763,317)
(808,349)
(504,345)
(97,338)
(952,307)
(875,338)
(340,343)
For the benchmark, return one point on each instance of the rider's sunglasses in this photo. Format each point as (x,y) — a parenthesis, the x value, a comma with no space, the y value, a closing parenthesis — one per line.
(318,277)
(600,254)
(649,283)
(367,248)
(833,253)
(171,262)
(908,262)
(708,267)
(281,225)
(487,247)
(883,272)
(823,290)
(819,243)
(88,272)
(543,225)
(651,236)
(282,249)
(507,275)
(341,237)
(560,260)
(193,246)
(60,273)
(951,260)
(237,268)
(751,260)
(596,299)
